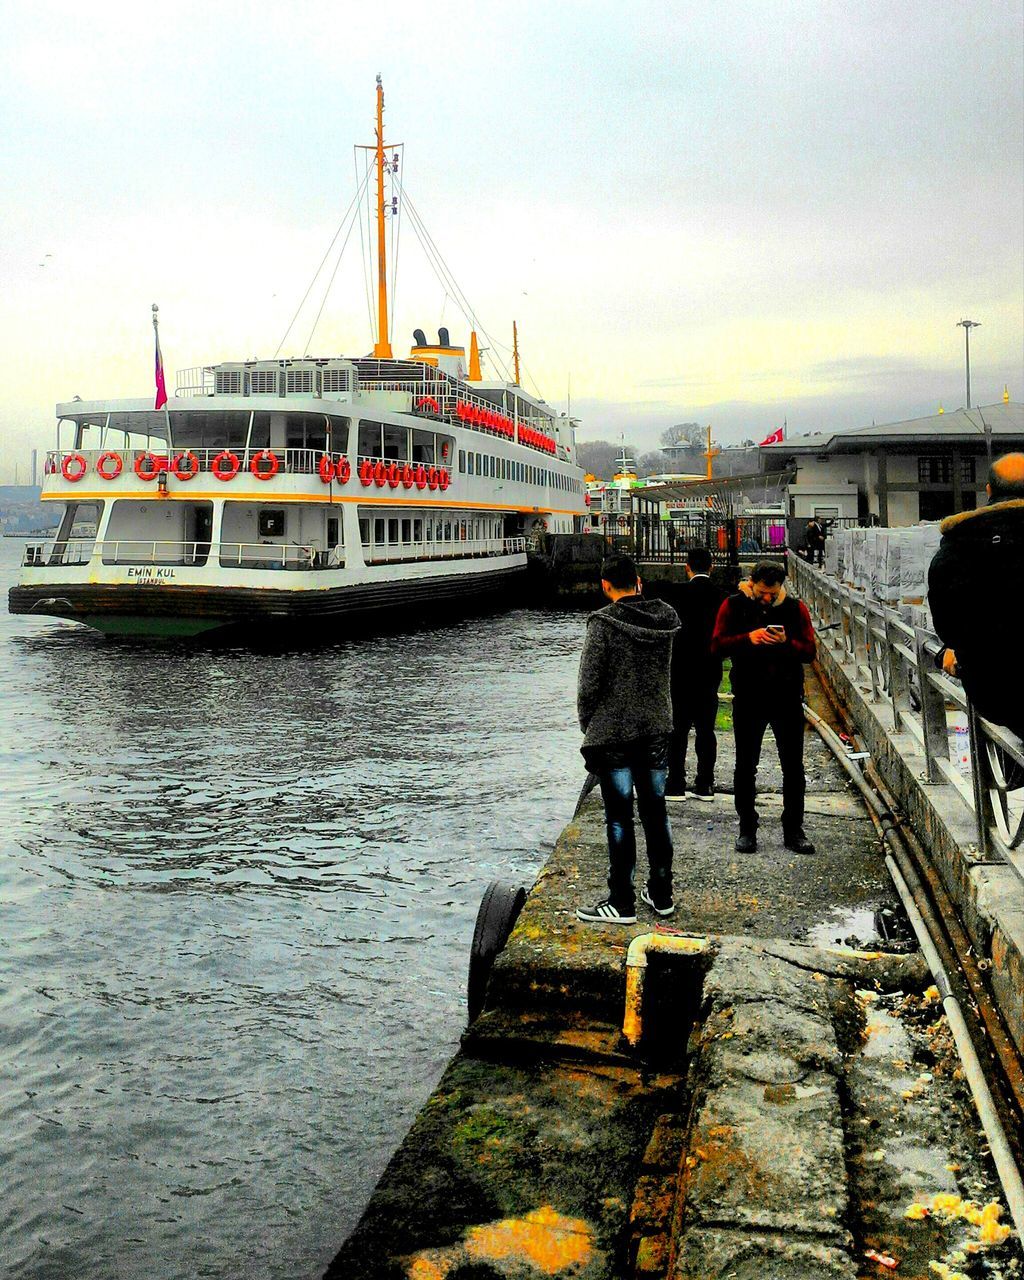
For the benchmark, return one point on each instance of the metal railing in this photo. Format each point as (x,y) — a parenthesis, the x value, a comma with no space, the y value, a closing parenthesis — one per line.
(290,461)
(897,662)
(442,549)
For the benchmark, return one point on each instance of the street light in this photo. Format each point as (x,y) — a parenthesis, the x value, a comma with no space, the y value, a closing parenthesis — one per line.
(967,326)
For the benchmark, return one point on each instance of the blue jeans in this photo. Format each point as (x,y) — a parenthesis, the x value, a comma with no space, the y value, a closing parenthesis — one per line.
(618,781)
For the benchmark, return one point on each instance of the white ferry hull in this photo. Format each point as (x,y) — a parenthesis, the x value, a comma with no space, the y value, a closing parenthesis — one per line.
(158,606)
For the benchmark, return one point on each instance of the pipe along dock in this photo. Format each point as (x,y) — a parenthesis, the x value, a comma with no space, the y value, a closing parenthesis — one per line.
(768,1088)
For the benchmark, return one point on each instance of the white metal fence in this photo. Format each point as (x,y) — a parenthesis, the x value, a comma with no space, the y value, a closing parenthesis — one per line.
(898,663)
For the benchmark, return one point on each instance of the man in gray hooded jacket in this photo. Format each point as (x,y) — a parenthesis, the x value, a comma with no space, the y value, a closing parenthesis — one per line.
(625,709)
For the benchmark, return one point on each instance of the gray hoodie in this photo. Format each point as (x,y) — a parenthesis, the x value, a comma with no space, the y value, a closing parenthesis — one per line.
(624,691)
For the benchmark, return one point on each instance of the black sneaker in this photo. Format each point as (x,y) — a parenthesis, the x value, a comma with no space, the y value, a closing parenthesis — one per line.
(746,842)
(666,910)
(604,913)
(701,792)
(797,842)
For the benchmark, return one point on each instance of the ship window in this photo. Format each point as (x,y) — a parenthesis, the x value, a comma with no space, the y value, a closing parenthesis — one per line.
(208,430)
(305,431)
(444,448)
(364,532)
(423,446)
(271,524)
(471,468)
(260,438)
(396,443)
(462,460)
(406,532)
(332,532)
(417,531)
(378,532)
(370,440)
(430,531)
(392,531)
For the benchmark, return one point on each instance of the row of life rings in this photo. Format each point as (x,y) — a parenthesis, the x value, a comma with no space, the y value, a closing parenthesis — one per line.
(329,470)
(393,475)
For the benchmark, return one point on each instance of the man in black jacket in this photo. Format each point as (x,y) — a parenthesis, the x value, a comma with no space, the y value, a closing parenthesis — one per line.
(625,712)
(974,581)
(769,636)
(696,676)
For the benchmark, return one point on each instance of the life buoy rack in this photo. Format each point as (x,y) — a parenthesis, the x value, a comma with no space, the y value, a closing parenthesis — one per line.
(226,465)
(366,473)
(148,466)
(421,477)
(273,465)
(193,465)
(343,471)
(101,468)
(325,469)
(73,467)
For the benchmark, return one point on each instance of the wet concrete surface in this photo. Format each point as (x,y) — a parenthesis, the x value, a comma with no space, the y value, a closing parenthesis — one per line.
(787,1107)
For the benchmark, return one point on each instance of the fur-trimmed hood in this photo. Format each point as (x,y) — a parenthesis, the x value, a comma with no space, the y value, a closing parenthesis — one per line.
(982,514)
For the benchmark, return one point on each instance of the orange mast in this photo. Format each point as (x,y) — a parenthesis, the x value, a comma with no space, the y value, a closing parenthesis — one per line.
(382,349)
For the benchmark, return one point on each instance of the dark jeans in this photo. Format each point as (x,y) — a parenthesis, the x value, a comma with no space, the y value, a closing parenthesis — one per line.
(645,771)
(694,708)
(751,716)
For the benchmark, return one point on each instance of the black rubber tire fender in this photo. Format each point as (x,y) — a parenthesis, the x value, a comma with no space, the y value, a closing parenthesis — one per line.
(499,911)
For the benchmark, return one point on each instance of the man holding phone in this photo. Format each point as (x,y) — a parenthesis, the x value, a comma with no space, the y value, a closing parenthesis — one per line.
(768,636)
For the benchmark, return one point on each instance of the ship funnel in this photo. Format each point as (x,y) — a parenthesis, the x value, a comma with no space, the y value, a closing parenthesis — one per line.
(419,337)
(442,338)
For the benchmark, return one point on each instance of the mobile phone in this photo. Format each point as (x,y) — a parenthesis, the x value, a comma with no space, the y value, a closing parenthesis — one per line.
(776,628)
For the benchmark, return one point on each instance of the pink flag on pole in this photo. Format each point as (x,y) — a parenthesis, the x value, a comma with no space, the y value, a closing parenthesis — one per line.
(161,386)
(776,437)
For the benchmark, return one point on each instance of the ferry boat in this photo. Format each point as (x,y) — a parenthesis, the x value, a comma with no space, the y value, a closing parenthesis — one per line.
(288,493)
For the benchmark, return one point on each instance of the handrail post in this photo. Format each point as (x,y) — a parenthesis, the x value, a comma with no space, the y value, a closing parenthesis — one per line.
(899,687)
(933,711)
(981,780)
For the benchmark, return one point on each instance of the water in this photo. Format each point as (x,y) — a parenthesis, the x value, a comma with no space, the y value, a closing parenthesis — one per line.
(237,895)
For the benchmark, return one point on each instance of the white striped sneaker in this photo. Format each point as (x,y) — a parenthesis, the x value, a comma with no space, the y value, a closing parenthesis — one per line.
(604,913)
(661,911)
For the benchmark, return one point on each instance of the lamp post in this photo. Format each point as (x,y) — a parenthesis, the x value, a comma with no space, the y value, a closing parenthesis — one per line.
(967,326)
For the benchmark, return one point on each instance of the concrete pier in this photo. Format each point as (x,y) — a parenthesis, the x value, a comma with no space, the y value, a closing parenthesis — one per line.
(793,1094)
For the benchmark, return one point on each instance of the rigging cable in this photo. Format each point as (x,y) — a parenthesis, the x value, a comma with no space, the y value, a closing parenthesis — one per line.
(330,283)
(309,290)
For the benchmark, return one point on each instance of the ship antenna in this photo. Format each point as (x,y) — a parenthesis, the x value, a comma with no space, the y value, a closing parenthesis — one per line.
(382,349)
(515,351)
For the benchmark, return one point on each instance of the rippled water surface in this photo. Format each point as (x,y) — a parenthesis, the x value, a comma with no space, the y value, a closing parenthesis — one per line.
(237,895)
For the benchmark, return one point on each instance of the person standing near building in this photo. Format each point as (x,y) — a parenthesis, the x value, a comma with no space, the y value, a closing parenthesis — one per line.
(973,580)
(814,540)
(625,712)
(768,636)
(696,675)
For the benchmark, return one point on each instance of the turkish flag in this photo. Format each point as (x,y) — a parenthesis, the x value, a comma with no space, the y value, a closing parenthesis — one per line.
(776,437)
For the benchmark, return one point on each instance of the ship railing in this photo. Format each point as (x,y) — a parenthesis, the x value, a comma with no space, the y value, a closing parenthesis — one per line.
(59,551)
(290,461)
(442,549)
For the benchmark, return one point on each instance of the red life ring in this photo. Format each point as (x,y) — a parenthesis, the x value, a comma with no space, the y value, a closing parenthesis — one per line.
(408,475)
(421,477)
(380,475)
(234,465)
(343,470)
(148,466)
(444,479)
(268,456)
(80,467)
(193,468)
(432,480)
(101,470)
(394,475)
(326,469)
(366,473)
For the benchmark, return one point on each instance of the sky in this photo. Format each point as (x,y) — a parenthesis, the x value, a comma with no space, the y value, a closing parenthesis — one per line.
(735,214)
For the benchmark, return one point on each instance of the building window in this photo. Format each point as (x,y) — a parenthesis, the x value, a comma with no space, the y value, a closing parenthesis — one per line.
(938,469)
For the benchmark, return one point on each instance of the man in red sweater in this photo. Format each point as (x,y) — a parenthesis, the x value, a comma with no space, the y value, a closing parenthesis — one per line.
(768,636)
